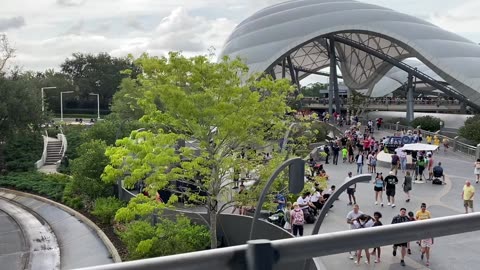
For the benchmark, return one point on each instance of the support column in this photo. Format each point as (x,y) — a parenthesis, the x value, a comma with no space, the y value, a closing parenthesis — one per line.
(333,80)
(410,100)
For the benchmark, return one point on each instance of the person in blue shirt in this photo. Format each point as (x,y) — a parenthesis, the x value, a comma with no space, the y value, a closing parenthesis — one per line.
(281,201)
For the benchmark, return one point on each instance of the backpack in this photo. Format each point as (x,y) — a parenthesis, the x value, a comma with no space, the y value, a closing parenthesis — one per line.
(297,217)
(437,181)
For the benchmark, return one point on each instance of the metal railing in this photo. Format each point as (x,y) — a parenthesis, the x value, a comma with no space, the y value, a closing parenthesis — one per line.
(42,160)
(264,254)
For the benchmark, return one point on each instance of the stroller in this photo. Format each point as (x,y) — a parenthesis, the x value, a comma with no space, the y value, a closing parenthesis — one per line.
(277,218)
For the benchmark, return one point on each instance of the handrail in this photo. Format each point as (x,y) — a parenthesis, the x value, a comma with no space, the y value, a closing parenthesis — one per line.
(301,248)
(42,160)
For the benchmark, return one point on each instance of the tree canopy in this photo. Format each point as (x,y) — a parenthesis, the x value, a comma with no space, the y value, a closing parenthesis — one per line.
(214,104)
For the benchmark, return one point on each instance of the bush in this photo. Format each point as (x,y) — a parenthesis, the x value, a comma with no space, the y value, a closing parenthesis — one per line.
(51,186)
(470,129)
(428,123)
(105,209)
(168,237)
(22,151)
(81,192)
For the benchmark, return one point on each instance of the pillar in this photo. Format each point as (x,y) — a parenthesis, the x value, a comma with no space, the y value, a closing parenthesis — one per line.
(410,99)
(333,94)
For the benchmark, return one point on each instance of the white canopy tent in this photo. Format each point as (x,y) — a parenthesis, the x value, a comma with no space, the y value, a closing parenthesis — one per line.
(419,147)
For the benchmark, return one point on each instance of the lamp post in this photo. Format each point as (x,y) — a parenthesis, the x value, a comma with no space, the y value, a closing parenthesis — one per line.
(43,95)
(98,103)
(61,103)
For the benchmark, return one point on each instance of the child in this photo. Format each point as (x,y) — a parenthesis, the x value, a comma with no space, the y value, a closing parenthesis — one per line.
(288,223)
(344,154)
(298,219)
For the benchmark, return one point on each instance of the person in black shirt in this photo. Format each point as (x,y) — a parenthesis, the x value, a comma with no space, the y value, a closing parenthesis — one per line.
(326,149)
(390,181)
(401,218)
(377,216)
(336,151)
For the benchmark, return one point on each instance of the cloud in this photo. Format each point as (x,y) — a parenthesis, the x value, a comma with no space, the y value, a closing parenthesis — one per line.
(11,23)
(71,3)
(463,18)
(77,28)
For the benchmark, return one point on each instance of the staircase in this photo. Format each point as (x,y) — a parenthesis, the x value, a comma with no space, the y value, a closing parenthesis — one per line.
(54,153)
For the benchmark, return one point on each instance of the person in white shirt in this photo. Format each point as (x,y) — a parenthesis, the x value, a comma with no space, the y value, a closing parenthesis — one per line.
(351,216)
(351,190)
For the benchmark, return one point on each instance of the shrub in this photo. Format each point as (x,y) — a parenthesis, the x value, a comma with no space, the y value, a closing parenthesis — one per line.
(81,192)
(168,237)
(51,186)
(105,209)
(428,123)
(22,151)
(470,129)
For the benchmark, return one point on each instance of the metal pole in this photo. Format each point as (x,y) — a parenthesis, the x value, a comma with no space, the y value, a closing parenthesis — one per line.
(270,180)
(410,100)
(260,255)
(61,106)
(334,77)
(98,106)
(43,100)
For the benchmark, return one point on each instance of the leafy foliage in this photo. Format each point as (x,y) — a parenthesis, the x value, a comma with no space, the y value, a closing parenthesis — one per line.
(193,98)
(49,185)
(139,206)
(22,151)
(471,128)
(168,237)
(429,123)
(106,208)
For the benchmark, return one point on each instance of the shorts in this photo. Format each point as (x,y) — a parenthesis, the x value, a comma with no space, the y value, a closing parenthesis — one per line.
(400,245)
(390,192)
(468,203)
(426,242)
(378,188)
(350,191)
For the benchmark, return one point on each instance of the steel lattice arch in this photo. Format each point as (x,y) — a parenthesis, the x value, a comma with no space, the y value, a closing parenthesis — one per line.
(295,39)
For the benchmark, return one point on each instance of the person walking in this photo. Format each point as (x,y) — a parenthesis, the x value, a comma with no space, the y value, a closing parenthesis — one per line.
(379,187)
(298,219)
(351,216)
(477,170)
(401,218)
(336,152)
(363,221)
(467,196)
(395,163)
(377,216)
(403,160)
(390,182)
(351,190)
(407,185)
(359,159)
(344,154)
(326,149)
(425,244)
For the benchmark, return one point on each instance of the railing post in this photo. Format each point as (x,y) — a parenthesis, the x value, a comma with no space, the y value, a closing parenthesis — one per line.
(260,255)
(477,152)
(455,143)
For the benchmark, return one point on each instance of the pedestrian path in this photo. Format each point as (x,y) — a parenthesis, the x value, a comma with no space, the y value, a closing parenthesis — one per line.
(453,252)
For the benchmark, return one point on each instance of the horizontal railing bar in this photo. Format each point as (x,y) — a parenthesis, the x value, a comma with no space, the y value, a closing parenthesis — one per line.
(297,249)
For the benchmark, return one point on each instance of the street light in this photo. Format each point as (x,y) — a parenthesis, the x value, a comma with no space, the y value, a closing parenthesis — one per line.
(43,95)
(61,103)
(98,103)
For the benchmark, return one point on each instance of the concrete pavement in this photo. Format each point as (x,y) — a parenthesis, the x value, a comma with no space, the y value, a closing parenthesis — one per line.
(453,252)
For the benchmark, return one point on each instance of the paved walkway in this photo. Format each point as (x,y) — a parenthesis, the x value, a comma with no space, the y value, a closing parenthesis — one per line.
(80,246)
(453,252)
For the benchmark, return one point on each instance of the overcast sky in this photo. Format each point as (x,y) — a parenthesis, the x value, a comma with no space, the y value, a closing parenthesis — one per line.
(45,32)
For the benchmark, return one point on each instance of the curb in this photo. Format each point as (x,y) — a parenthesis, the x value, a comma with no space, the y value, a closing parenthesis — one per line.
(111,248)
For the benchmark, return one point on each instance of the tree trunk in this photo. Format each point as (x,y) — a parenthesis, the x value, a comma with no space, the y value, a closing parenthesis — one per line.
(212,213)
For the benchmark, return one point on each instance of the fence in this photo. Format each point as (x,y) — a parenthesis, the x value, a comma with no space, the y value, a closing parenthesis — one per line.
(265,255)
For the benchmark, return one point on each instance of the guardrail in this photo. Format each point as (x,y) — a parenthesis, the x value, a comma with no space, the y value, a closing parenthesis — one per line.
(41,161)
(264,254)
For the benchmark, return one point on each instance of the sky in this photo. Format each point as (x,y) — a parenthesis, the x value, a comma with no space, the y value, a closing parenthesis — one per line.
(46,32)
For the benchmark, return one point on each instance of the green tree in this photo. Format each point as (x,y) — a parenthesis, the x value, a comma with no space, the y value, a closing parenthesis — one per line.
(470,129)
(428,122)
(313,89)
(99,74)
(212,103)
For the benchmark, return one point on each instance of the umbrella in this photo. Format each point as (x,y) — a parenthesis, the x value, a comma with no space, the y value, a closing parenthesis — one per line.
(419,147)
